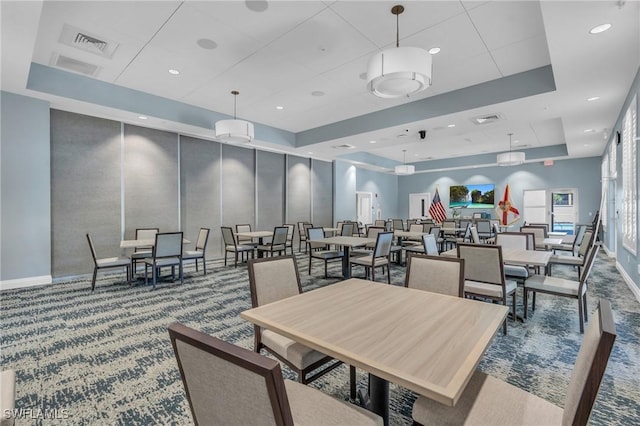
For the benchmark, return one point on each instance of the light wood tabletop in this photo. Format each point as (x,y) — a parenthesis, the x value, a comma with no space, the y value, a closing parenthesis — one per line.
(427,342)
(255,234)
(347,243)
(124,244)
(515,256)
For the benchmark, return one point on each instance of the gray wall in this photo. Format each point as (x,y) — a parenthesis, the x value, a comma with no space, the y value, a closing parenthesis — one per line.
(384,187)
(344,189)
(270,176)
(238,186)
(321,193)
(25,227)
(298,189)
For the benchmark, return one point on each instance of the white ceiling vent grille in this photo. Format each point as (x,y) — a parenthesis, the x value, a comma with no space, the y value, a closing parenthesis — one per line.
(74,65)
(344,146)
(86,41)
(488,118)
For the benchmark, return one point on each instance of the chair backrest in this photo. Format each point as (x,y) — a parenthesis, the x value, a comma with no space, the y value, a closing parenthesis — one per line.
(415,228)
(279,235)
(467,233)
(272,279)
(373,231)
(542,225)
(531,240)
(411,222)
(316,234)
(435,230)
(512,240)
(589,260)
(244,228)
(444,275)
(448,224)
(430,244)
(580,230)
(301,230)
(290,230)
(380,223)
(465,222)
(474,235)
(482,262)
(203,236)
(539,231)
(483,226)
(145,234)
(383,244)
(347,229)
(306,226)
(590,366)
(93,250)
(227,236)
(397,224)
(587,241)
(477,215)
(226,384)
(168,244)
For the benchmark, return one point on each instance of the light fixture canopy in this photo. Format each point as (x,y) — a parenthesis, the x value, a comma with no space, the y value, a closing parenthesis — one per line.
(238,131)
(510,158)
(399,71)
(405,169)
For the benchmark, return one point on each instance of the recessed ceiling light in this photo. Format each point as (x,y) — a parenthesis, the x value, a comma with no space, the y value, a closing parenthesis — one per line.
(310,152)
(317,93)
(451,125)
(589,130)
(599,28)
(279,107)
(516,141)
(174,72)
(142,117)
(593,98)
(434,50)
(207,43)
(257,5)
(372,141)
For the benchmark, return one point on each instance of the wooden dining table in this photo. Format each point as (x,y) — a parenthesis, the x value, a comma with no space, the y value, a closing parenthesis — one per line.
(125,244)
(260,235)
(346,243)
(426,342)
(515,256)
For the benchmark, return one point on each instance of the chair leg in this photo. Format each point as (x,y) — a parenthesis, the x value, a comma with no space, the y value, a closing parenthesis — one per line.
(584,308)
(352,382)
(388,272)
(373,273)
(146,274)
(580,315)
(204,265)
(93,280)
(225,257)
(533,302)
(309,263)
(526,303)
(181,270)
(326,273)
(235,265)
(155,275)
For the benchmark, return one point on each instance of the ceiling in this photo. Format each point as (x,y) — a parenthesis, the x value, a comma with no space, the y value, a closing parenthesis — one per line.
(309,58)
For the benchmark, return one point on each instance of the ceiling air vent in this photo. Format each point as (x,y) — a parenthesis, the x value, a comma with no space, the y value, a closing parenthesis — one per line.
(86,41)
(486,119)
(344,146)
(74,65)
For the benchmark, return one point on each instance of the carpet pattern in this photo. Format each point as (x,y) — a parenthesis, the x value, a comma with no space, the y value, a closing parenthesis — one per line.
(105,357)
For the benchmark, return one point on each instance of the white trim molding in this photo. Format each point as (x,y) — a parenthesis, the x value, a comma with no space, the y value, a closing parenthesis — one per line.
(25,282)
(632,286)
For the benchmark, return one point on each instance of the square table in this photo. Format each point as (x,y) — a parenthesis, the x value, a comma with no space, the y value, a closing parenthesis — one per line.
(260,235)
(426,342)
(515,256)
(347,243)
(124,244)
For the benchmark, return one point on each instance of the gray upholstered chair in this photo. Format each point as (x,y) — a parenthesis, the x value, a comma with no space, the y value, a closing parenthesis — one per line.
(484,274)
(485,231)
(245,241)
(167,251)
(273,279)
(429,246)
(540,233)
(347,229)
(417,241)
(7,396)
(444,275)
(562,287)
(575,244)
(302,235)
(488,400)
(229,385)
(381,223)
(518,241)
(278,242)
(142,252)
(397,225)
(577,261)
(320,250)
(379,258)
(107,263)
(200,250)
(290,231)
(231,245)
(475,238)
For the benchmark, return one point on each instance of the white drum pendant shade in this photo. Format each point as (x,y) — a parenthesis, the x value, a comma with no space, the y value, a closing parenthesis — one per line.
(511,158)
(399,71)
(405,169)
(238,131)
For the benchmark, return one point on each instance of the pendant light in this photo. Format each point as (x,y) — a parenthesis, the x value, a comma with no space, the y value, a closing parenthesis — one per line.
(405,169)
(399,71)
(239,131)
(510,158)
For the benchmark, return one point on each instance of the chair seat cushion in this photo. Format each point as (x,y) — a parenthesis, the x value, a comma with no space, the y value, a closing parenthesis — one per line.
(516,271)
(312,407)
(108,262)
(368,260)
(165,261)
(238,248)
(566,259)
(415,249)
(487,400)
(141,254)
(192,254)
(491,290)
(269,247)
(296,353)
(554,285)
(327,254)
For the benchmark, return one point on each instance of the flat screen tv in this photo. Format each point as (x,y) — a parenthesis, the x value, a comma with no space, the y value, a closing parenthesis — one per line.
(471,196)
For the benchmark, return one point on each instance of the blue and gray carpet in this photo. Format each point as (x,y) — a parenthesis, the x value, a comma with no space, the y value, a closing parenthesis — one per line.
(105,357)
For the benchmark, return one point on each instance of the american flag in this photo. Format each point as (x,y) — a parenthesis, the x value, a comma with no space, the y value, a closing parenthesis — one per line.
(436,209)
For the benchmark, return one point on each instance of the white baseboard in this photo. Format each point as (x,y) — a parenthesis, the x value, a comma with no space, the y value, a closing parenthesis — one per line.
(608,252)
(25,282)
(632,286)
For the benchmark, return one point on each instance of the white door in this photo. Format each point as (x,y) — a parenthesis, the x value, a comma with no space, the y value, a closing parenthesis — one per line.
(419,205)
(364,206)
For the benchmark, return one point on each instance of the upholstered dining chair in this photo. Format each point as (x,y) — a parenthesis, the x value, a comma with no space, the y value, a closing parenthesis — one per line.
(229,385)
(485,230)
(107,263)
(518,241)
(574,246)
(444,275)
(475,238)
(540,233)
(302,236)
(347,229)
(200,250)
(273,279)
(167,251)
(484,275)
(245,241)
(488,400)
(381,223)
(562,287)
(290,231)
(429,246)
(320,250)
(577,261)
(415,227)
(142,252)
(231,245)
(278,242)
(380,257)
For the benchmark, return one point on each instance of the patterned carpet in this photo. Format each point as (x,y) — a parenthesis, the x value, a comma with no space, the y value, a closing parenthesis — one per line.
(106,358)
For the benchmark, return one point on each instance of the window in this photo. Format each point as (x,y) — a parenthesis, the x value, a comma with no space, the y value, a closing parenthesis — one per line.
(605,196)
(630,178)
(613,158)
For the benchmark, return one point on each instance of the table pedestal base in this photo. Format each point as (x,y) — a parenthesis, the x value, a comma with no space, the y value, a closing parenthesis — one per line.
(377,399)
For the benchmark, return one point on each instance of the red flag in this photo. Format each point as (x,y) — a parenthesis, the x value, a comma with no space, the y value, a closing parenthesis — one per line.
(436,209)
(507,213)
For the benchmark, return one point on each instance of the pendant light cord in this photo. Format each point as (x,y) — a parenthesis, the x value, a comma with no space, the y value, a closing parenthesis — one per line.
(398,30)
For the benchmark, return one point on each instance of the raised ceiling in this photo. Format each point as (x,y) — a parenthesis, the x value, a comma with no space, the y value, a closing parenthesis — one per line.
(287,53)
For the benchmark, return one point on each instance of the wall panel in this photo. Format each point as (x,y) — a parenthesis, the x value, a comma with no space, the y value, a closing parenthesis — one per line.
(85,190)
(200,191)
(150,179)
(322,192)
(238,186)
(298,189)
(270,169)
